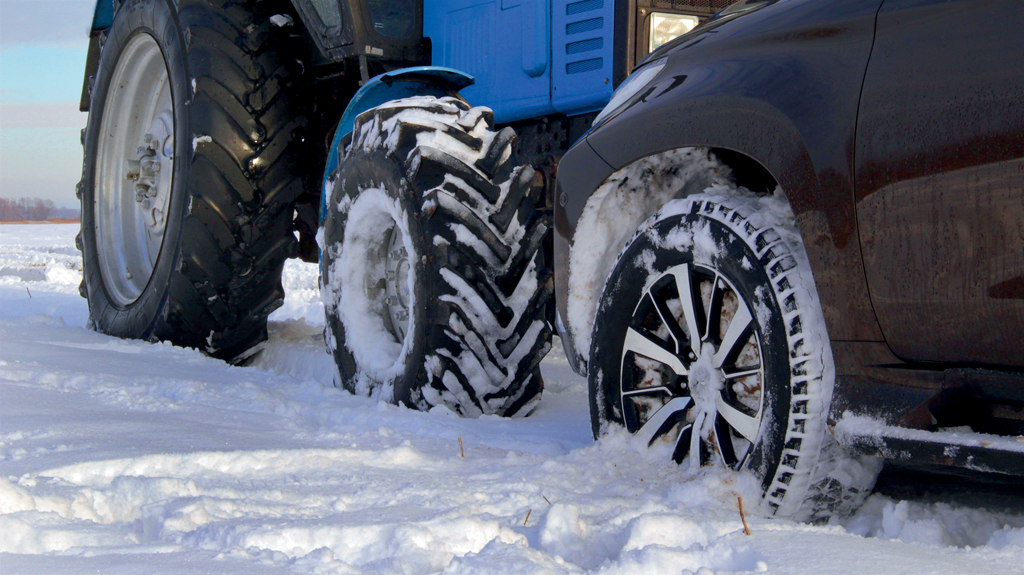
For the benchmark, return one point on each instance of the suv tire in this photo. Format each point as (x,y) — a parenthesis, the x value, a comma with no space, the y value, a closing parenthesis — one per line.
(709,339)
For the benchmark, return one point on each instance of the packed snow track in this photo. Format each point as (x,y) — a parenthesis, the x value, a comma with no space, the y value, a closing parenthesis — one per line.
(131,457)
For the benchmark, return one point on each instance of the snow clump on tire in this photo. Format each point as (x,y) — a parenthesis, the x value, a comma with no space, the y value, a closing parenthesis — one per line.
(614,212)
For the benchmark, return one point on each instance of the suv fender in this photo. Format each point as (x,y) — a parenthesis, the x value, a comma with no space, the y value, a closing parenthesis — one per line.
(720,90)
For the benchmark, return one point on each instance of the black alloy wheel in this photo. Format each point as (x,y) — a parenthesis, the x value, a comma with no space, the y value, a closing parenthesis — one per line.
(709,338)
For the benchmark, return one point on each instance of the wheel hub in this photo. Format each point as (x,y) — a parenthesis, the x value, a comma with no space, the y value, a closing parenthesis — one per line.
(691,367)
(397,296)
(134,169)
(156,149)
(706,380)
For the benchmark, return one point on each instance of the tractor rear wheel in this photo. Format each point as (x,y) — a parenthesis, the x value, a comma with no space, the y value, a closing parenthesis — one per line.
(190,173)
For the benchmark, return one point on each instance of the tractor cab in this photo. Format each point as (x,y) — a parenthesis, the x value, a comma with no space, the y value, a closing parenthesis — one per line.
(530,58)
(387,31)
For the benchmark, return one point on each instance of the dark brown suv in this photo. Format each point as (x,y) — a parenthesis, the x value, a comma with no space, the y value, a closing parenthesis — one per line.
(794,243)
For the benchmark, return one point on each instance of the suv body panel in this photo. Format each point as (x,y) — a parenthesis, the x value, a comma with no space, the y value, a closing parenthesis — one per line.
(780,85)
(940,180)
(923,162)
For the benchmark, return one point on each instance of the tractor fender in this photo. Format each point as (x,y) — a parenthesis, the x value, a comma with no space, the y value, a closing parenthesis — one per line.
(103,15)
(102,18)
(404,83)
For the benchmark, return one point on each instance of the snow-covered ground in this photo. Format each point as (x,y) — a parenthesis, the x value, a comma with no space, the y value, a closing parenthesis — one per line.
(129,457)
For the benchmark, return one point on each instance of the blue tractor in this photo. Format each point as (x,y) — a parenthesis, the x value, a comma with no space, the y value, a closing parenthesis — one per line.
(408,145)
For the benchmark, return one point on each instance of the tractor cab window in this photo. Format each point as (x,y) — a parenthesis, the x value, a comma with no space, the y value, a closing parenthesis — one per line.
(393,18)
(328,11)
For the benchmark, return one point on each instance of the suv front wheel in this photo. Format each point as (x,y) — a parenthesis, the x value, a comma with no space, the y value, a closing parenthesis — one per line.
(710,339)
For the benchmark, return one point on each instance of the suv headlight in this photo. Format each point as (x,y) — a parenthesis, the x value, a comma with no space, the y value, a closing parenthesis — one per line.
(636,81)
(664,27)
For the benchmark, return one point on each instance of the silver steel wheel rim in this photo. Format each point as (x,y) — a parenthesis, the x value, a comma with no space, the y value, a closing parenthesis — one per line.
(134,169)
(692,369)
(397,296)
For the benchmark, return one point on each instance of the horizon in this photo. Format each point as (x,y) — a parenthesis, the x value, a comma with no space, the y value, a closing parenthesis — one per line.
(43,45)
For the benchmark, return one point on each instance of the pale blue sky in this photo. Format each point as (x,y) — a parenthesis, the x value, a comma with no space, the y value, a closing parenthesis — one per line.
(43,45)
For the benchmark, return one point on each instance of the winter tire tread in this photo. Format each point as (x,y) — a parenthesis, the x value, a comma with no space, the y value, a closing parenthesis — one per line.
(242,185)
(461,176)
(807,480)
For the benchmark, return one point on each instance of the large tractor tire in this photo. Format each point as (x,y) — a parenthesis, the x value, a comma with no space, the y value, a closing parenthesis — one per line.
(190,173)
(710,341)
(434,282)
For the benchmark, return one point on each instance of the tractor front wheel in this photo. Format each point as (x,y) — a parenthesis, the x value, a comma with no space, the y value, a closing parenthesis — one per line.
(434,282)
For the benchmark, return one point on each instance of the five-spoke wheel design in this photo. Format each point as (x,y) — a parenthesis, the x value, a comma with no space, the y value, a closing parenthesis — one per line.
(691,370)
(134,170)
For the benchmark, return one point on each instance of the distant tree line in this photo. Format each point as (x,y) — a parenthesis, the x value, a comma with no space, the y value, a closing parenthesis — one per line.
(34,210)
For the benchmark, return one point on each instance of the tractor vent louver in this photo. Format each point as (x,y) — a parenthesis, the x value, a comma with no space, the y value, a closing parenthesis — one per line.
(584,31)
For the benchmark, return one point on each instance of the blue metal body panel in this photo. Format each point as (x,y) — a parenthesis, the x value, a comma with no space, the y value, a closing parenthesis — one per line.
(103,16)
(405,83)
(531,58)
(504,44)
(582,40)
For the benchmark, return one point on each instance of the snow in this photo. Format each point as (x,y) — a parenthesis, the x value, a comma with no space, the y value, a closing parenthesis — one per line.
(281,20)
(866,427)
(614,212)
(200,139)
(375,132)
(380,358)
(133,457)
